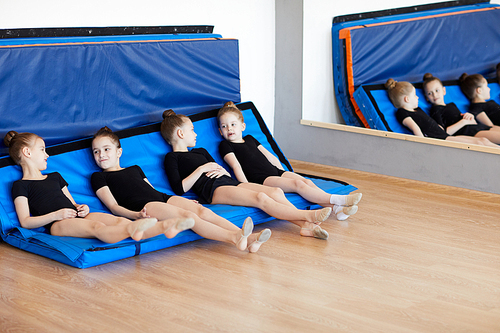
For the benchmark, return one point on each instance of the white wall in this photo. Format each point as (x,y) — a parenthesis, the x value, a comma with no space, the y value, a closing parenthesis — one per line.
(318,101)
(251,22)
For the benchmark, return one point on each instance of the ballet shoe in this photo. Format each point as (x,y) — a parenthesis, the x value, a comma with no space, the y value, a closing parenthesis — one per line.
(263,237)
(142,225)
(353,199)
(322,214)
(316,232)
(343,212)
(246,230)
(180,225)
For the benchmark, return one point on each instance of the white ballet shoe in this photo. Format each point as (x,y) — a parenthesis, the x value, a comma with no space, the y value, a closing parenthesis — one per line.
(142,225)
(343,212)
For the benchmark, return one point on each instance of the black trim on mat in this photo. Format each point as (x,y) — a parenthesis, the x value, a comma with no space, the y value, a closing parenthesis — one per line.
(104,31)
(323,178)
(155,127)
(405,10)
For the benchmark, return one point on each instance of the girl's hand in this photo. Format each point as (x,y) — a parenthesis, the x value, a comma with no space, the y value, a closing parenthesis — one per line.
(143,214)
(470,121)
(213,170)
(65,213)
(468,116)
(83,210)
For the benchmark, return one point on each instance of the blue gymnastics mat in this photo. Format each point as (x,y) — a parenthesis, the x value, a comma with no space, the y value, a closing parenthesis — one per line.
(380,114)
(145,147)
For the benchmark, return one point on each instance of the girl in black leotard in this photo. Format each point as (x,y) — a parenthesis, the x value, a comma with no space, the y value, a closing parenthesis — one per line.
(449,116)
(475,87)
(44,200)
(195,169)
(127,192)
(403,96)
(251,162)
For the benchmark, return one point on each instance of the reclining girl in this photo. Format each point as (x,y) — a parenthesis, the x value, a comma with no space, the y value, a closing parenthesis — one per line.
(449,116)
(196,169)
(475,87)
(43,200)
(403,96)
(251,162)
(127,192)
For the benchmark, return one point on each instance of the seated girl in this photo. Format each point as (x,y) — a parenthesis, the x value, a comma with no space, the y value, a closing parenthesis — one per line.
(449,116)
(195,169)
(475,87)
(251,162)
(127,192)
(43,200)
(403,96)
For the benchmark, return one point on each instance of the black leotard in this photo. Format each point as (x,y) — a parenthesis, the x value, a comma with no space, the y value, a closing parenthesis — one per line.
(255,165)
(449,114)
(180,165)
(427,125)
(491,108)
(128,187)
(44,196)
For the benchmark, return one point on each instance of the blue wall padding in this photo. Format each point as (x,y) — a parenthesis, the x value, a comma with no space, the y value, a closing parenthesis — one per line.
(381,114)
(445,46)
(145,147)
(67,89)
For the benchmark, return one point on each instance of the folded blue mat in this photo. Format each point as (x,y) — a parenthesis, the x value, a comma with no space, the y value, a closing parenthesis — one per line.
(145,147)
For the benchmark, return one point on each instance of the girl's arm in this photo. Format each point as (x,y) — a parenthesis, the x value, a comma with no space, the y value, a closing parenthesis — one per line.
(412,125)
(30,222)
(270,157)
(83,210)
(484,119)
(233,162)
(104,194)
(452,129)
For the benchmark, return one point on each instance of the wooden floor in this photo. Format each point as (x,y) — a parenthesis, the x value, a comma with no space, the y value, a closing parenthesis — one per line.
(417,257)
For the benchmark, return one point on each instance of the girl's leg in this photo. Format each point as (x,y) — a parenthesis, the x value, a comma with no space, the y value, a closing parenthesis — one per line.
(90,228)
(203,212)
(492,135)
(236,236)
(292,182)
(245,195)
(472,140)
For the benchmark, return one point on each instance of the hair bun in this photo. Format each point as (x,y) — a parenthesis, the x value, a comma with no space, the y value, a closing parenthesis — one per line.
(428,76)
(8,137)
(168,113)
(229,105)
(391,84)
(463,77)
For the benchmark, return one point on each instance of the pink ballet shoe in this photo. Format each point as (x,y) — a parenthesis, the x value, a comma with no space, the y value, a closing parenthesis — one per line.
(322,214)
(246,230)
(142,225)
(264,236)
(316,232)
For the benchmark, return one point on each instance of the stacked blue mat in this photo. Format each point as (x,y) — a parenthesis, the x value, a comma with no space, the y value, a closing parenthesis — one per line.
(445,39)
(145,147)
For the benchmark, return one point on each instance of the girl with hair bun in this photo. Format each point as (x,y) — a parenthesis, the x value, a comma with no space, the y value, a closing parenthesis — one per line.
(251,162)
(404,97)
(475,87)
(196,169)
(43,200)
(127,192)
(449,116)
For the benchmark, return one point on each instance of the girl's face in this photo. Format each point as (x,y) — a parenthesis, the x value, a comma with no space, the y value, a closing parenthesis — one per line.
(483,91)
(435,92)
(412,100)
(231,127)
(106,153)
(38,154)
(189,136)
